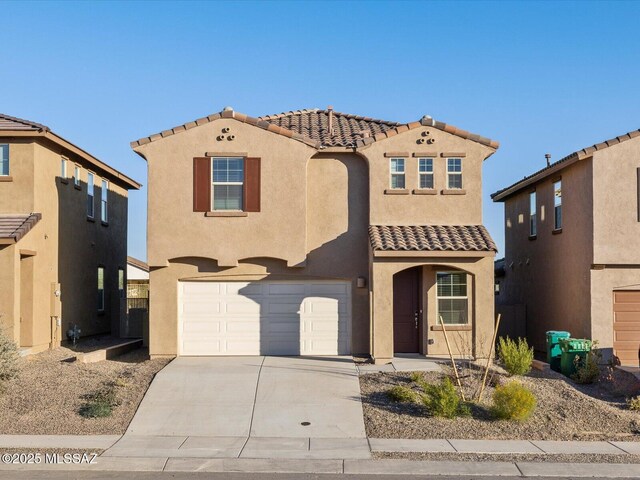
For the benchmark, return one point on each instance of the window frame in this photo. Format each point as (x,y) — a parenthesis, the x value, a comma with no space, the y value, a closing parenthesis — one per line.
(121,282)
(397,173)
(100,291)
(533,214)
(76,174)
(557,205)
(64,168)
(91,194)
(227,183)
(453,173)
(427,173)
(2,160)
(451,297)
(104,201)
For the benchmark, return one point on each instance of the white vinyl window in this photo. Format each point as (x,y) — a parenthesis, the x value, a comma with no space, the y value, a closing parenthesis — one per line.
(557,204)
(90,203)
(104,199)
(227,183)
(397,173)
(76,175)
(4,160)
(63,167)
(425,170)
(454,173)
(533,215)
(452,298)
(101,289)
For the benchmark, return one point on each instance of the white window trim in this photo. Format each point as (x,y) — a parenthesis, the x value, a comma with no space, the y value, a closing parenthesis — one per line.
(438,297)
(64,168)
(91,192)
(77,171)
(398,173)
(555,207)
(533,215)
(104,201)
(213,186)
(8,174)
(449,174)
(431,172)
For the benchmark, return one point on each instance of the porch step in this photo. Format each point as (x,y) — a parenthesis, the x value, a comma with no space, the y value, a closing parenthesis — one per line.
(109,352)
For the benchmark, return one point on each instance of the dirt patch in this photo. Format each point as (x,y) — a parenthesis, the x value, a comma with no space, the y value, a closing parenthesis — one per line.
(476,457)
(50,390)
(565,410)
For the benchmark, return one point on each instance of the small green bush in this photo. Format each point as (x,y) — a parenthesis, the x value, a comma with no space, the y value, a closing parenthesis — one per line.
(587,371)
(513,401)
(402,394)
(516,357)
(100,403)
(8,358)
(443,400)
(634,403)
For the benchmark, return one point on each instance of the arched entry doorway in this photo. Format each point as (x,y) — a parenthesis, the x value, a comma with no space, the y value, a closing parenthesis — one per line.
(407,310)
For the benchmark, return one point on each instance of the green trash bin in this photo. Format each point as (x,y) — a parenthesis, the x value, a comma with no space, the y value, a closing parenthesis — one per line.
(553,348)
(574,352)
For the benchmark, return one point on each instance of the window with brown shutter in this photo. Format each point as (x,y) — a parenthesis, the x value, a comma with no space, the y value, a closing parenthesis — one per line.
(201,184)
(252,184)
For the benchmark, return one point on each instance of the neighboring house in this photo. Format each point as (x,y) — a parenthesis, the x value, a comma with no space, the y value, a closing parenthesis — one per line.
(137,299)
(572,254)
(63,237)
(137,271)
(316,233)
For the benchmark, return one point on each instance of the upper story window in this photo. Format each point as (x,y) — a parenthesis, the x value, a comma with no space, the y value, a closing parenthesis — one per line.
(557,204)
(452,297)
(76,175)
(397,173)
(63,167)
(454,173)
(4,160)
(90,203)
(425,170)
(533,210)
(104,198)
(228,183)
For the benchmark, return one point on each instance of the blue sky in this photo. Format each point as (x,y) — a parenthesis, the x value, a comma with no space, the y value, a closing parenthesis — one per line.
(537,76)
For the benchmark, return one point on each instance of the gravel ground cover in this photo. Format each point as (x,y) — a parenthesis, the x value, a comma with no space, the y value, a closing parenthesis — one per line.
(476,457)
(565,410)
(50,390)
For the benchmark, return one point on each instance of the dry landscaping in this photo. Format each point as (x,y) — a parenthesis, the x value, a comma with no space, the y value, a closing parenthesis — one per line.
(54,395)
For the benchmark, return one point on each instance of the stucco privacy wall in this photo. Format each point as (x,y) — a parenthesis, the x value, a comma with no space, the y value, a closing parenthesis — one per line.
(481,304)
(551,273)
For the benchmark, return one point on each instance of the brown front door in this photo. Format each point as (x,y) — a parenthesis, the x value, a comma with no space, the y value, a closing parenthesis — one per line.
(406,311)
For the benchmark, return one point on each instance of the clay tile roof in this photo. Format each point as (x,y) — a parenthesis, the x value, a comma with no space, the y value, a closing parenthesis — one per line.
(431,238)
(13,123)
(16,226)
(559,165)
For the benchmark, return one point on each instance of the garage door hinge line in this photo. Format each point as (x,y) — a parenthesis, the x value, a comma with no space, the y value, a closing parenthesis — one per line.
(253,410)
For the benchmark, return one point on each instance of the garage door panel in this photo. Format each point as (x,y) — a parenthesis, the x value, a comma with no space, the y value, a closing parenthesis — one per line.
(264,318)
(626,326)
(626,297)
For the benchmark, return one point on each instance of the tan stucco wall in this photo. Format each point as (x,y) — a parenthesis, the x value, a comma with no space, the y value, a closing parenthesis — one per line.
(481,305)
(551,274)
(315,212)
(67,247)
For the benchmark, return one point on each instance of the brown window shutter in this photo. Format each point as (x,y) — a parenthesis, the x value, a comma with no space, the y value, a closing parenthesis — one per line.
(201,184)
(252,184)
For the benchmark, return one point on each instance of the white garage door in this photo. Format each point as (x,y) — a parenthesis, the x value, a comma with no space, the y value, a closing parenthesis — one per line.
(264,318)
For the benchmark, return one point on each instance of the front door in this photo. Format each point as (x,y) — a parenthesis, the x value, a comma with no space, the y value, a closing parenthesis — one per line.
(406,311)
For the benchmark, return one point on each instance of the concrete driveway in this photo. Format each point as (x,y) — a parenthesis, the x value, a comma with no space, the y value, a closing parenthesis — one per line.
(300,397)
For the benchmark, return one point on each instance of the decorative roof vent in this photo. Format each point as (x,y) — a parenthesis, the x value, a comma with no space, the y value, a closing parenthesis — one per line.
(227,109)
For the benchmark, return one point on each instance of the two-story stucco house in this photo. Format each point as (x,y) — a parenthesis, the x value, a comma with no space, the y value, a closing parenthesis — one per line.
(572,255)
(314,232)
(63,237)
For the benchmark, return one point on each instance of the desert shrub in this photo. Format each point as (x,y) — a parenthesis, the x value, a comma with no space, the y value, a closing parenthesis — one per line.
(402,394)
(587,370)
(513,401)
(443,400)
(100,403)
(8,358)
(634,403)
(516,357)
